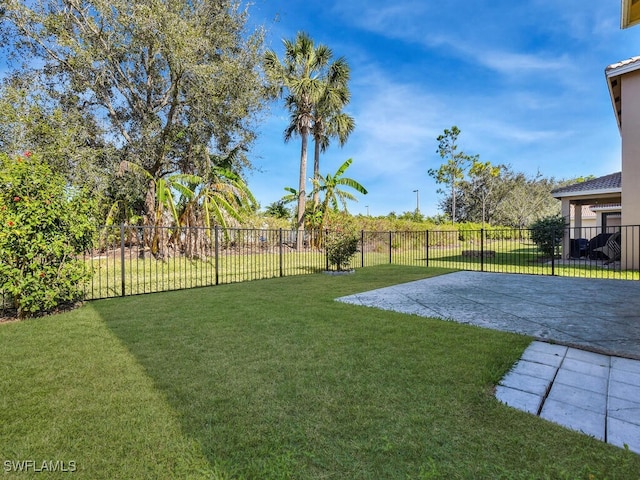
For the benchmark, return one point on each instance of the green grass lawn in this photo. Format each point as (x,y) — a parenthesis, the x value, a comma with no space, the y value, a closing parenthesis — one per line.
(273,379)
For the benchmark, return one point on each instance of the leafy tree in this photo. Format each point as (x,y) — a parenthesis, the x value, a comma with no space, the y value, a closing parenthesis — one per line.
(526,199)
(44,226)
(202,201)
(341,246)
(72,144)
(170,80)
(277,210)
(451,172)
(301,74)
(507,198)
(547,233)
(483,184)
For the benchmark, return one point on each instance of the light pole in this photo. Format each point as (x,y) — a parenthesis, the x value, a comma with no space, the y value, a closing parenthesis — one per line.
(367,207)
(417,192)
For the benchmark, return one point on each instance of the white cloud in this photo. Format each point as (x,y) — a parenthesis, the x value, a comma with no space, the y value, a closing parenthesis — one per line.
(395,123)
(510,63)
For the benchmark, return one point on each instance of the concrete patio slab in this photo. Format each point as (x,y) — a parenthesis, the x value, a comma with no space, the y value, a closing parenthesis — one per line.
(623,433)
(599,315)
(588,379)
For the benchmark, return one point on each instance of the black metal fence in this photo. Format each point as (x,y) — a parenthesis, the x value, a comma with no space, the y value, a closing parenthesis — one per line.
(134,260)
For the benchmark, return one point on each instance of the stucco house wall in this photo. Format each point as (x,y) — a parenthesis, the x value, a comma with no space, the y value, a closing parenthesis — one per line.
(624,87)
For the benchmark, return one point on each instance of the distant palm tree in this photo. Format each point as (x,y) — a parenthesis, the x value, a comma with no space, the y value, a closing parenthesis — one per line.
(161,203)
(219,196)
(302,75)
(212,200)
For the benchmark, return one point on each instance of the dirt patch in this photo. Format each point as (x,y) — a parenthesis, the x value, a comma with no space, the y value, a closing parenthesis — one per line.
(11,315)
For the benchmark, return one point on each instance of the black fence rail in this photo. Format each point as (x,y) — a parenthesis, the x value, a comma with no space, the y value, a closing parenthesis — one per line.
(134,260)
(591,252)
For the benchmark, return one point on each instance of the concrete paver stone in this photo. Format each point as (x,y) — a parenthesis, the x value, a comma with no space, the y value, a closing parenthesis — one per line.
(529,402)
(575,418)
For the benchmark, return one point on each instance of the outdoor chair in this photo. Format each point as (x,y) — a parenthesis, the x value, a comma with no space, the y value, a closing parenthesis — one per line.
(611,249)
(579,248)
(595,253)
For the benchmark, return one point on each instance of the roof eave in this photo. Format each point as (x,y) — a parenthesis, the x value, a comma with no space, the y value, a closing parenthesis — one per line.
(613,74)
(626,19)
(612,95)
(588,193)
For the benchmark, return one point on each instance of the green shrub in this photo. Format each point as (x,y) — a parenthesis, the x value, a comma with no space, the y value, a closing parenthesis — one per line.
(44,226)
(341,247)
(547,233)
(468,231)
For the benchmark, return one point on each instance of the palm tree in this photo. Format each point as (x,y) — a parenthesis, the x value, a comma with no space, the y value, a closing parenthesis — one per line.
(329,119)
(301,74)
(333,194)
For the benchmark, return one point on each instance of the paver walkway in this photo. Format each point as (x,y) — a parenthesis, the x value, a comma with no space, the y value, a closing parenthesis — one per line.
(598,395)
(594,389)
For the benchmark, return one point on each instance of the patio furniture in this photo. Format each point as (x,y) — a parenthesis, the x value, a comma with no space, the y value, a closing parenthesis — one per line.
(594,245)
(611,249)
(579,247)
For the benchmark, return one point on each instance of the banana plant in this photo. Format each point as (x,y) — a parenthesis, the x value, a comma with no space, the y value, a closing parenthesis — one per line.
(163,201)
(334,195)
(215,199)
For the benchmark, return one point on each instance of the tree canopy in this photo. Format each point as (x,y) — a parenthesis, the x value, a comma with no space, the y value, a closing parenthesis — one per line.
(452,171)
(169,83)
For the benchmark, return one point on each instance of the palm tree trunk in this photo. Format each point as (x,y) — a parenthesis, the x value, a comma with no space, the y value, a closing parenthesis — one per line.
(302,194)
(316,174)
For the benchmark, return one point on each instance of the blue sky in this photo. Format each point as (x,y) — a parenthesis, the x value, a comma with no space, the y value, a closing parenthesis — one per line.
(524,81)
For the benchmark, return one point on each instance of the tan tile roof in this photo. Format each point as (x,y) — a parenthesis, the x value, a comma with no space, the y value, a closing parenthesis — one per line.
(585,211)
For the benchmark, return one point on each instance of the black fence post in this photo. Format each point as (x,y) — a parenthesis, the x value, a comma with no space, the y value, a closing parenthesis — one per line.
(482,249)
(217,252)
(326,250)
(426,245)
(280,251)
(122,272)
(390,240)
(553,252)
(362,248)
